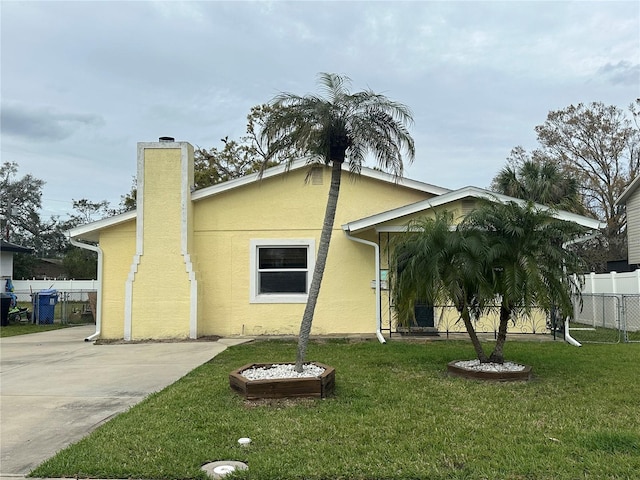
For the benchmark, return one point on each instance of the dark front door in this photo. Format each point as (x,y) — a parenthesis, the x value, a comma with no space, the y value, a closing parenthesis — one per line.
(424,315)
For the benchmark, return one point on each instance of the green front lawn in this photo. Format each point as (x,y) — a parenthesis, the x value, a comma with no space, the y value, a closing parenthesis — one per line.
(395,415)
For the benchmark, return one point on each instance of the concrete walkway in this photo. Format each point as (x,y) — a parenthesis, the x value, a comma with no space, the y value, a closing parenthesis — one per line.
(55,388)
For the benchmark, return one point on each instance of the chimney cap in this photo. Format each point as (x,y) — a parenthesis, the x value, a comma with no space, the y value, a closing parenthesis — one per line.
(167,139)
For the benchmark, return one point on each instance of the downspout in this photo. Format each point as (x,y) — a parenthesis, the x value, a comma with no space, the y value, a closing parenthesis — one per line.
(567,335)
(98,250)
(376,248)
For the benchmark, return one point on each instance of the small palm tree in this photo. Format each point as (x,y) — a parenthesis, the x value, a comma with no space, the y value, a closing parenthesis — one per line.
(337,128)
(435,263)
(510,253)
(526,263)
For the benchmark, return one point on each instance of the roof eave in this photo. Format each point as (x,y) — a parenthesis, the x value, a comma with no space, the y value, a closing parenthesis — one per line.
(283,168)
(90,231)
(465,192)
(633,186)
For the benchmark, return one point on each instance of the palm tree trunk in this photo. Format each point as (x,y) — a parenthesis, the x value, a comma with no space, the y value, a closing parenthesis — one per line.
(497,356)
(466,318)
(321,261)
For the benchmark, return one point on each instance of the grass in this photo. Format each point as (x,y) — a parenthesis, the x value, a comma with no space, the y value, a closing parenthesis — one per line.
(14,329)
(601,334)
(595,334)
(18,328)
(395,415)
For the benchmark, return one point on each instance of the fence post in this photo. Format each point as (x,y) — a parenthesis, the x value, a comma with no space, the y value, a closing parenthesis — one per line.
(593,298)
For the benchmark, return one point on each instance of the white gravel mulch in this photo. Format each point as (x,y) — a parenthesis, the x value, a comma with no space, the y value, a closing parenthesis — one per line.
(489,367)
(282,371)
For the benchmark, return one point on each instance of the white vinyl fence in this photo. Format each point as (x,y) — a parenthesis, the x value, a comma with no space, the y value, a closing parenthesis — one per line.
(610,308)
(625,283)
(24,288)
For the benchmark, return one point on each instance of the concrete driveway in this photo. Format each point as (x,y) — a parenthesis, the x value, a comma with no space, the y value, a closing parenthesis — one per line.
(55,388)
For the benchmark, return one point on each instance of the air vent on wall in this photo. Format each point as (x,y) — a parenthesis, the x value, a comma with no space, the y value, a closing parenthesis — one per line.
(467,206)
(317,175)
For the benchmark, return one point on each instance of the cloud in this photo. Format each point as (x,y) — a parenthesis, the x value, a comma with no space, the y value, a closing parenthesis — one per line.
(44,123)
(621,73)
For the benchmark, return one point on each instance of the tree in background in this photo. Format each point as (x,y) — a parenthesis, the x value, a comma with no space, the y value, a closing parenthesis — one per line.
(336,128)
(128,201)
(81,264)
(235,159)
(596,145)
(539,179)
(20,204)
(600,146)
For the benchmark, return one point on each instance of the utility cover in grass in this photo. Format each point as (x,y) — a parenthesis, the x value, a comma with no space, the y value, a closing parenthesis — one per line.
(218,470)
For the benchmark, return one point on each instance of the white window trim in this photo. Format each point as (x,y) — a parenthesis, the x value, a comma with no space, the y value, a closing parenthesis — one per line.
(254,296)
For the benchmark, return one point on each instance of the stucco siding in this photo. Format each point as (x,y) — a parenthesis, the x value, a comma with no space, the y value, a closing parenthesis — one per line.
(633,227)
(160,284)
(288,208)
(118,244)
(458,209)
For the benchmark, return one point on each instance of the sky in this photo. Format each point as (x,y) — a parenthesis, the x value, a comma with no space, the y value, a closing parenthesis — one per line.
(83,82)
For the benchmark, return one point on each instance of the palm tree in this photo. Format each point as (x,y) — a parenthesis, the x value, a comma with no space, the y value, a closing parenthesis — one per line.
(337,128)
(540,180)
(508,252)
(526,263)
(434,262)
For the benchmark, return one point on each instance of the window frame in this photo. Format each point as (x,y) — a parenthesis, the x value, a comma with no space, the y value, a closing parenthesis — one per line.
(255,244)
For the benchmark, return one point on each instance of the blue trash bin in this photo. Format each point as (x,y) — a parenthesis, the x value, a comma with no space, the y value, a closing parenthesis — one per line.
(44,305)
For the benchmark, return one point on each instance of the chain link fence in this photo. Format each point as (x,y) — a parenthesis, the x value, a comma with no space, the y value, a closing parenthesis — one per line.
(55,306)
(631,313)
(606,318)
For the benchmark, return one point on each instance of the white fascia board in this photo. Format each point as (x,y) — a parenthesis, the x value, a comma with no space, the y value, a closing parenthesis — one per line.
(622,200)
(403,181)
(283,168)
(89,231)
(465,192)
(247,179)
(412,208)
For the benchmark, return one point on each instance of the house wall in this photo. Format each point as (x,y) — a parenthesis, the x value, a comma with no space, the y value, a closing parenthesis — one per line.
(633,227)
(447,318)
(160,300)
(286,207)
(118,244)
(458,208)
(6,265)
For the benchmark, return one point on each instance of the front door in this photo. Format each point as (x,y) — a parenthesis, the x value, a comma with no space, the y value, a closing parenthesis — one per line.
(424,315)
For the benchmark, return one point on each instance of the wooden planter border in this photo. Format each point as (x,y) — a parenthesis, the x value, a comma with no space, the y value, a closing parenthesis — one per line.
(319,387)
(522,375)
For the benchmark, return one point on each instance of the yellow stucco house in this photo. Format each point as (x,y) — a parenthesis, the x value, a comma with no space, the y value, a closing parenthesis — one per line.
(236,258)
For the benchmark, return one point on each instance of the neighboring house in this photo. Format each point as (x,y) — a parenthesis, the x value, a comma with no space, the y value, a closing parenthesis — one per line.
(7,250)
(49,268)
(236,258)
(631,199)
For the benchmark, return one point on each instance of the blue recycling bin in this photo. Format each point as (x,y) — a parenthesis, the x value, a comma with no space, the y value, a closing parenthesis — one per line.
(44,306)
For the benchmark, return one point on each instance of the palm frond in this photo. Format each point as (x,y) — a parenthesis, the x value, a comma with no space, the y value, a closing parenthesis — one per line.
(341,126)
